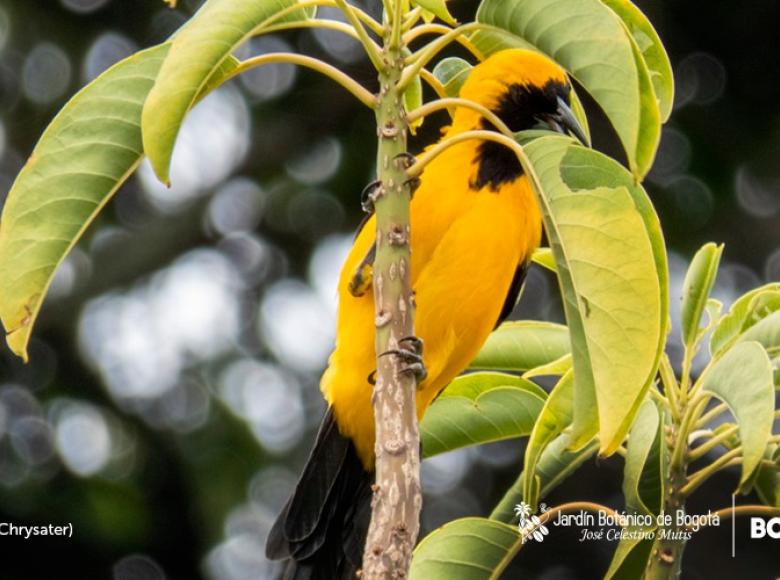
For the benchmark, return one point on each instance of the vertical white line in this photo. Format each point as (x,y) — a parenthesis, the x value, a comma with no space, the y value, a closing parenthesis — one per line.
(733,526)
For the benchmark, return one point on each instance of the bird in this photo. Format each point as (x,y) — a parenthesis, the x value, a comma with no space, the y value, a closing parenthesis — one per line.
(475,224)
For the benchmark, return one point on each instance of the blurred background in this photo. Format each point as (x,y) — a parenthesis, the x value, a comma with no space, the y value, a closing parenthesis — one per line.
(172,392)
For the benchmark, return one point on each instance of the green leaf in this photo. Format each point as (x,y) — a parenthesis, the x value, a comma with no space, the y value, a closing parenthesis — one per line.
(90,148)
(556,463)
(465,549)
(766,332)
(196,52)
(553,419)
(591,42)
(653,52)
(523,345)
(479,408)
(696,290)
(452,72)
(85,154)
(745,312)
(436,7)
(612,269)
(742,378)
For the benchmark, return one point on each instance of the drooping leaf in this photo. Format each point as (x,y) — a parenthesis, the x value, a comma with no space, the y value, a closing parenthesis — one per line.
(652,50)
(465,549)
(196,52)
(90,148)
(555,416)
(612,269)
(630,559)
(523,345)
(590,41)
(696,290)
(643,486)
(556,463)
(766,332)
(452,72)
(643,490)
(742,378)
(747,310)
(480,408)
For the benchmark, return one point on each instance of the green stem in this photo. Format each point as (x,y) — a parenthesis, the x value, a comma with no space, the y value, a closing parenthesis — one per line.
(708,446)
(422,57)
(371,49)
(711,414)
(317,23)
(671,386)
(575,506)
(329,71)
(441,30)
(446,103)
(697,479)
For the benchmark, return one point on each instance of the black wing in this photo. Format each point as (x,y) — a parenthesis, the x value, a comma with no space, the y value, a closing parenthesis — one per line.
(514,292)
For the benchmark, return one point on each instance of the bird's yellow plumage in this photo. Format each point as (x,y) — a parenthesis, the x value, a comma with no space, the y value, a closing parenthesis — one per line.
(475,224)
(467,243)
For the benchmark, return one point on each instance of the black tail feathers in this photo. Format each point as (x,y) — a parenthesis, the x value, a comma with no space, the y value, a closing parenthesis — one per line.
(322,528)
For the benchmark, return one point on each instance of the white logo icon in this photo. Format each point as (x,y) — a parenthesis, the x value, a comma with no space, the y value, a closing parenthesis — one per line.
(529,525)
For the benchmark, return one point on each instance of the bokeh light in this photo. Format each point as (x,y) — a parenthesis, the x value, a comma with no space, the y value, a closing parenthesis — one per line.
(138,567)
(141,340)
(84,6)
(271,80)
(758,196)
(108,49)
(268,399)
(46,73)
(83,437)
(700,79)
(212,142)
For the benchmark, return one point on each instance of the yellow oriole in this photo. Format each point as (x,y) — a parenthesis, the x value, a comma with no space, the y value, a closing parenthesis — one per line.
(475,223)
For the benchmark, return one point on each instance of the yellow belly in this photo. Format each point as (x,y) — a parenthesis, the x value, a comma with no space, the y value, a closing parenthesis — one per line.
(466,246)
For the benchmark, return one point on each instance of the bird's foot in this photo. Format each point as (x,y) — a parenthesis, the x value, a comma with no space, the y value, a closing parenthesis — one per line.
(405,159)
(410,356)
(368,196)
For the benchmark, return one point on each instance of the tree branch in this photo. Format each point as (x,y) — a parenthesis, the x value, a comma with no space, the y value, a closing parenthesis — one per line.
(397,495)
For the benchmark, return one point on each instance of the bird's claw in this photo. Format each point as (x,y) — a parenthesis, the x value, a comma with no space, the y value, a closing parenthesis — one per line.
(368,196)
(406,158)
(409,353)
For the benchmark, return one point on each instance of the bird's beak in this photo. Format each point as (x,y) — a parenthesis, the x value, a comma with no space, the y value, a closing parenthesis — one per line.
(563,121)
